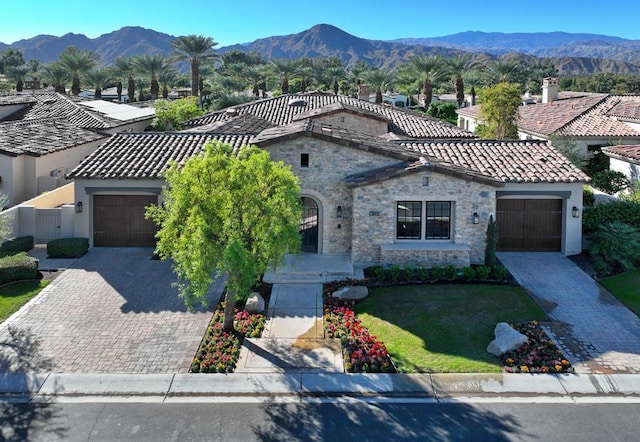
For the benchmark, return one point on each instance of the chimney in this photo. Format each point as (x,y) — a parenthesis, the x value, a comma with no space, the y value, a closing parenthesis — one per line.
(363,92)
(549,89)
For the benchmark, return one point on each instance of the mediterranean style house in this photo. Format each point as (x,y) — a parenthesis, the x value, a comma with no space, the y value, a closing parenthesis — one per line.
(381,184)
(626,160)
(45,135)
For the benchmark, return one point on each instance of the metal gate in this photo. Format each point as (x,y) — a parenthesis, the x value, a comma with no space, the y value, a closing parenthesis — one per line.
(47,225)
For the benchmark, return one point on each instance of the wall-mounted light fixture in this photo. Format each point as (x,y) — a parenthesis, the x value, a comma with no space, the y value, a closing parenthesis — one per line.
(79,207)
(476,218)
(575,212)
(339,212)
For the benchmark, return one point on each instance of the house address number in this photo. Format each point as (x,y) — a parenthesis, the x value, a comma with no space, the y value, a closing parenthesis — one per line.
(374,213)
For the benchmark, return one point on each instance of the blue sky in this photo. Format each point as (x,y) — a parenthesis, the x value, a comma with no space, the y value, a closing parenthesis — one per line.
(240,21)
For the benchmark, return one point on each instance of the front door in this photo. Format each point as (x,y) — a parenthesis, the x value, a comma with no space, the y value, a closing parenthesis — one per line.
(309,225)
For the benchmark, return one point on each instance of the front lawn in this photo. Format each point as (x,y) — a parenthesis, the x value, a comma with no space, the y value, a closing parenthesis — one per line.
(444,328)
(14,296)
(625,287)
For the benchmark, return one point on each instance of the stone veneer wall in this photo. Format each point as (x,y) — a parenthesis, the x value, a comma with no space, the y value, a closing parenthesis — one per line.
(324,180)
(427,257)
(374,217)
(357,123)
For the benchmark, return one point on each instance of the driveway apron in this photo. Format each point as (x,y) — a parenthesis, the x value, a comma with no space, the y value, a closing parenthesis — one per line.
(594,330)
(115,310)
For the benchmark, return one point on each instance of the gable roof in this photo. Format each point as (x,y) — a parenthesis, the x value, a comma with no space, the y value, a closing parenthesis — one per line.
(629,153)
(240,124)
(282,110)
(146,155)
(517,161)
(340,107)
(80,112)
(41,137)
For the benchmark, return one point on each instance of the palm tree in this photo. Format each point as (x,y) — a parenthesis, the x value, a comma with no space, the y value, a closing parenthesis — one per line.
(357,71)
(17,75)
(151,65)
(427,70)
(284,70)
(57,75)
(77,62)
(167,76)
(458,67)
(336,73)
(98,78)
(124,69)
(378,79)
(197,50)
(502,71)
(255,75)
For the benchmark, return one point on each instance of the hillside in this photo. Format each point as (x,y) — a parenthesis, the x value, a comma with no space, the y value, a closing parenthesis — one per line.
(570,53)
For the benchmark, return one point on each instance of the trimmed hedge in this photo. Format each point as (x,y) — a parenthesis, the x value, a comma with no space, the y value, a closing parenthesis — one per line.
(67,247)
(621,211)
(16,245)
(17,268)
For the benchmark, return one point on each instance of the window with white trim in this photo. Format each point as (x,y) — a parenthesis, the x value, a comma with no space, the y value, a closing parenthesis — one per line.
(431,217)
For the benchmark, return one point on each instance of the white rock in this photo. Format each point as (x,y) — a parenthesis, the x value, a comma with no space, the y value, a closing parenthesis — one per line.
(352,293)
(255,303)
(507,339)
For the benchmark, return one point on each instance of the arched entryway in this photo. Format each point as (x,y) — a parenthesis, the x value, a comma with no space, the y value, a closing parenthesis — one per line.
(309,225)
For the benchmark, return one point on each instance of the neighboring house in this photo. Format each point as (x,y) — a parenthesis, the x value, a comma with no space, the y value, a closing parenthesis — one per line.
(364,192)
(45,135)
(592,120)
(625,159)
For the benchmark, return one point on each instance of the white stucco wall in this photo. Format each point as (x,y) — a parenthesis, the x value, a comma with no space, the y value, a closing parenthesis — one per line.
(630,169)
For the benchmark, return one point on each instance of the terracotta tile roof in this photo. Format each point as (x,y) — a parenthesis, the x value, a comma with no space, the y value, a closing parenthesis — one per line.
(339,107)
(146,155)
(283,109)
(241,124)
(597,121)
(334,134)
(630,153)
(626,107)
(9,99)
(62,107)
(518,161)
(469,111)
(40,137)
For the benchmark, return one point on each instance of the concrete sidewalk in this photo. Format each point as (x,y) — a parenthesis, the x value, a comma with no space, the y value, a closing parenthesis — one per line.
(570,388)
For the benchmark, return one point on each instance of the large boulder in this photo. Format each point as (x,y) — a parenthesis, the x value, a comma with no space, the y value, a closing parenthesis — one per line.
(351,293)
(507,339)
(255,303)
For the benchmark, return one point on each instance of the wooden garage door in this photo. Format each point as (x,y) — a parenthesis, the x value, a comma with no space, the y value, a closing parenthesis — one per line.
(118,221)
(530,225)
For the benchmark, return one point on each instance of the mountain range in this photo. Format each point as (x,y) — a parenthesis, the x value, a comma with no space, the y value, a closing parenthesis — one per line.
(570,53)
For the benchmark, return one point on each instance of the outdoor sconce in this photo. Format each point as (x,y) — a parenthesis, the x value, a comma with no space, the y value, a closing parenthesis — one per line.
(476,218)
(339,212)
(79,207)
(575,212)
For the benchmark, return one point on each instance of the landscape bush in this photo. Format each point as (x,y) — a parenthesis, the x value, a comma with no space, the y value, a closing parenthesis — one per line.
(588,199)
(615,245)
(627,212)
(67,247)
(18,267)
(610,181)
(16,245)
(411,274)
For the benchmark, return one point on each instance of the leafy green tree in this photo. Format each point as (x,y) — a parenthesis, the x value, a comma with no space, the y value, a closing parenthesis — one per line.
(56,75)
(235,214)
(77,63)
(491,243)
(499,110)
(444,111)
(610,181)
(10,58)
(170,115)
(568,146)
(197,50)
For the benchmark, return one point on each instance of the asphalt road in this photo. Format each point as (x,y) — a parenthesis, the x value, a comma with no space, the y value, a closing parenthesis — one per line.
(320,421)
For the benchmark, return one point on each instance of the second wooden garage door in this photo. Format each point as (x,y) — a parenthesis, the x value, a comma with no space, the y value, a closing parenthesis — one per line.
(529,225)
(118,221)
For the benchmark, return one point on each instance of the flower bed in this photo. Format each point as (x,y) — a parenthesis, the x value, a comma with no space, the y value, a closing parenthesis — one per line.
(361,351)
(219,350)
(540,355)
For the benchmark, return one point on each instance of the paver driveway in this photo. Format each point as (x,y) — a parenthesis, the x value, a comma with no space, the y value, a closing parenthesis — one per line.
(597,332)
(113,311)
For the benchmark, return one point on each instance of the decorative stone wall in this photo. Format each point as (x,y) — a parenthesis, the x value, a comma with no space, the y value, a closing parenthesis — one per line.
(324,180)
(357,123)
(374,218)
(426,257)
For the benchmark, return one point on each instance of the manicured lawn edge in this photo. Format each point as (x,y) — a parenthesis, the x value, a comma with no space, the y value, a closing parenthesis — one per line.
(16,294)
(625,287)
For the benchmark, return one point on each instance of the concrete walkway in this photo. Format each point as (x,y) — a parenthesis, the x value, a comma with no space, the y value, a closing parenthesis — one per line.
(595,331)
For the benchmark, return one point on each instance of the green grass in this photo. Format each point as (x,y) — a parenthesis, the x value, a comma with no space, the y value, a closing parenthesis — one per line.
(14,296)
(625,287)
(444,328)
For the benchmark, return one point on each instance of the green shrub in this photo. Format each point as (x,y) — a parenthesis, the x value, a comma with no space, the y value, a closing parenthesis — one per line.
(67,247)
(617,244)
(451,272)
(377,272)
(627,212)
(499,272)
(410,273)
(468,273)
(483,272)
(17,268)
(610,181)
(437,273)
(394,273)
(16,245)
(491,242)
(422,273)
(588,200)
